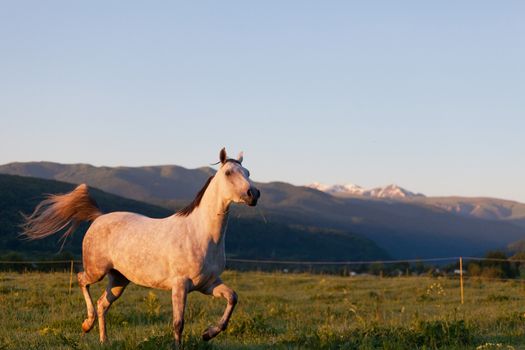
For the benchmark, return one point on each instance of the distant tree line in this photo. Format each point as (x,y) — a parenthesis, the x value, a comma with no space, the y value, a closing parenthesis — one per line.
(501,266)
(16,261)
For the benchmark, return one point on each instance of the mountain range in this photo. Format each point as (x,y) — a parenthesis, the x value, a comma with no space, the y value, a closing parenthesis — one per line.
(245,238)
(409,226)
(483,208)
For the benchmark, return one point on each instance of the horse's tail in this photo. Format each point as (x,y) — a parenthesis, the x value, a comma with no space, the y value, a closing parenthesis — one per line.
(57,212)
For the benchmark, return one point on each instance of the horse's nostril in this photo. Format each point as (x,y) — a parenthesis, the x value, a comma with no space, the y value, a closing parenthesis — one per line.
(253,193)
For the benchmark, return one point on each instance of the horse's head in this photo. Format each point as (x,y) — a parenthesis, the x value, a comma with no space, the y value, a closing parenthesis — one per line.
(234,180)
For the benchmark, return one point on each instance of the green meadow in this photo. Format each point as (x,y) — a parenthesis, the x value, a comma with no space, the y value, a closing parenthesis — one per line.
(275,311)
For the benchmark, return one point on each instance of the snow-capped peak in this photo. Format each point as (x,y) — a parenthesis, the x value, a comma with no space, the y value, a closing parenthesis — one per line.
(350,190)
(393,191)
(319,186)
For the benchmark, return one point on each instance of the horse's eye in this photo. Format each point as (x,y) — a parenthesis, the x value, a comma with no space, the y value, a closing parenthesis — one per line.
(228,172)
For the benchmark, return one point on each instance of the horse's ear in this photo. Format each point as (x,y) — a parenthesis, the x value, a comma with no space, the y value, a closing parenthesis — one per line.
(222,155)
(240,157)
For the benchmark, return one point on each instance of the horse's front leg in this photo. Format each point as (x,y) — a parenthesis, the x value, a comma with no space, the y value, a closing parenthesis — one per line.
(178,299)
(219,289)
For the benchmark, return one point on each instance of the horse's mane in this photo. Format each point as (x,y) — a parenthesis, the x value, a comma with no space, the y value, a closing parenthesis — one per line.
(195,203)
(187,210)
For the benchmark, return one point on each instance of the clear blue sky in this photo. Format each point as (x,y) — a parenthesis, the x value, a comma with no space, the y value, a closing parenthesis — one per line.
(428,95)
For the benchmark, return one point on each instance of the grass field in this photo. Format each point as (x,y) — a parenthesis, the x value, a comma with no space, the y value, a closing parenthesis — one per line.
(275,311)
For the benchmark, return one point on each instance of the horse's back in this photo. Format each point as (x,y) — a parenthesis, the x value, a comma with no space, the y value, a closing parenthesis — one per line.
(110,226)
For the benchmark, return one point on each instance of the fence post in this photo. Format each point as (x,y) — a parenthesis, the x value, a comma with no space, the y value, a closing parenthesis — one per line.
(71,277)
(461,277)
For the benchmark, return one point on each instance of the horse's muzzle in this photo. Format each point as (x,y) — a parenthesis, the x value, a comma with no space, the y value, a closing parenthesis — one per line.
(252,195)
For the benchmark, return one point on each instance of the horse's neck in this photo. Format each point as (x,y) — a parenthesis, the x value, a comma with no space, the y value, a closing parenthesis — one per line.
(211,214)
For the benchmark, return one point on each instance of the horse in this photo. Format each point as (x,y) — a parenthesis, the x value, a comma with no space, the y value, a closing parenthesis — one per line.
(182,253)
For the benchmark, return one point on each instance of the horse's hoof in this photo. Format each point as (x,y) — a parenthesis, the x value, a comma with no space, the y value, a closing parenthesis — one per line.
(210,333)
(87,325)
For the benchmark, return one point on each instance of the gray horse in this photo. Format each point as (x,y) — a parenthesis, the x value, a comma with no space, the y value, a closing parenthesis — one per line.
(181,253)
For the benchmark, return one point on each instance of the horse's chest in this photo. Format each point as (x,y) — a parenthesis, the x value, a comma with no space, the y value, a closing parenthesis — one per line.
(208,272)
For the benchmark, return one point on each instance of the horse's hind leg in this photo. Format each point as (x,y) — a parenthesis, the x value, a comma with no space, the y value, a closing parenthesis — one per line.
(116,285)
(84,280)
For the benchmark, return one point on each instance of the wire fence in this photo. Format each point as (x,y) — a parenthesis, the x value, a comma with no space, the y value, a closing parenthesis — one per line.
(351,262)
(340,267)
(306,262)
(393,267)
